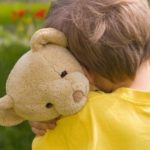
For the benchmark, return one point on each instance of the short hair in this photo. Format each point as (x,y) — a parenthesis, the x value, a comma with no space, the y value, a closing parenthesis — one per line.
(108,37)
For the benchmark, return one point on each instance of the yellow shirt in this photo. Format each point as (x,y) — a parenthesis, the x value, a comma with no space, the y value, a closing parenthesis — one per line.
(115,121)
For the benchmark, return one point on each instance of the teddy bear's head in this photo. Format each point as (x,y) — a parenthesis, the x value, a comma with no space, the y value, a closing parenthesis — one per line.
(46,82)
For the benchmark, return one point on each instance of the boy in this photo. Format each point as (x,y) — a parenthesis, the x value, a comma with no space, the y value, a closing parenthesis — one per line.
(110,38)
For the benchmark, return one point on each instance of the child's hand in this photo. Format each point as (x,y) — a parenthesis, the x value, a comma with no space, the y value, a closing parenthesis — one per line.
(39,128)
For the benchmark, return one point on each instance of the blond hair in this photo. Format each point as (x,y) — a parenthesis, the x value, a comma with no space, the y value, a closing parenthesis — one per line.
(109,37)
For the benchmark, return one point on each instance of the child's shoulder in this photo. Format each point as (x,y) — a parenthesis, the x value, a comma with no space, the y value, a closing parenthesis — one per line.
(99,96)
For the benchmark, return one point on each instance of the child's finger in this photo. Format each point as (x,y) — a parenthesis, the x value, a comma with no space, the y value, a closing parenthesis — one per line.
(52,125)
(39,125)
(38,131)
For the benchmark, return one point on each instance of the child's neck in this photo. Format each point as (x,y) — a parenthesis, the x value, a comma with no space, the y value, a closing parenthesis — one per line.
(141,81)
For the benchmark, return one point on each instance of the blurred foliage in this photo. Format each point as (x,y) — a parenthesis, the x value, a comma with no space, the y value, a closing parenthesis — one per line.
(8,11)
(16,138)
(18,21)
(9,54)
(22,19)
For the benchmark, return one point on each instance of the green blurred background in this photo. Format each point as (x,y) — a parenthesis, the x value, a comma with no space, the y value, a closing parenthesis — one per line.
(18,20)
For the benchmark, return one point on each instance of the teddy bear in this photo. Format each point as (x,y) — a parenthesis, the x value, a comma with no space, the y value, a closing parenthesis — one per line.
(45,83)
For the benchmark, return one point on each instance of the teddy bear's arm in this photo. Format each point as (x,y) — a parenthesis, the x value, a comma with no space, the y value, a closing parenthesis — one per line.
(8,116)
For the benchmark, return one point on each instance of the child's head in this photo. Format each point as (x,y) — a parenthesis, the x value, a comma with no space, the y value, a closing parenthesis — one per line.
(109,37)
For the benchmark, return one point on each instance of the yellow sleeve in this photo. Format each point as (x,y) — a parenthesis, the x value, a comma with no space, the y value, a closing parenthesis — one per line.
(70,133)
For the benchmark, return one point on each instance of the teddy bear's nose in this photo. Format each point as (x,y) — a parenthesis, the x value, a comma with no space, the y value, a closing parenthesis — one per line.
(77,96)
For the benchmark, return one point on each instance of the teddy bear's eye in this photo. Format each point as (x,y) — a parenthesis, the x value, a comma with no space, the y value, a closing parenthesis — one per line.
(49,105)
(64,73)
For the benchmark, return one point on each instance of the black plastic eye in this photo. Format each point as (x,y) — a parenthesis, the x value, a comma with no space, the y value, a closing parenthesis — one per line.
(63,74)
(49,105)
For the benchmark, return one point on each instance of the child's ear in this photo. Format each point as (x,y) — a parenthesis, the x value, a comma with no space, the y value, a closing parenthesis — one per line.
(89,75)
(46,36)
(8,116)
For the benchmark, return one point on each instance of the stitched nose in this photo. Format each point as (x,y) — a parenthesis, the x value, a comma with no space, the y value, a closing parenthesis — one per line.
(77,96)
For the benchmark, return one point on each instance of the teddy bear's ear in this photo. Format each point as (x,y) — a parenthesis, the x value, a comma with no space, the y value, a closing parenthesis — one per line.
(8,116)
(6,102)
(46,36)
